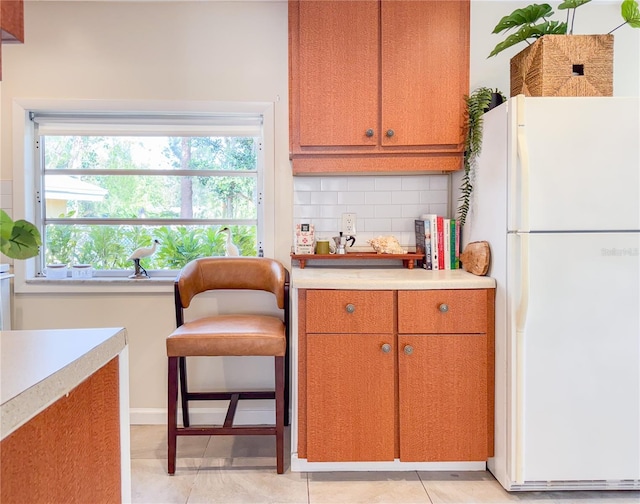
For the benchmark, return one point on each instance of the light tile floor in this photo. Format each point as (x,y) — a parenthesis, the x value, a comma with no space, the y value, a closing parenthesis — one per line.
(226,469)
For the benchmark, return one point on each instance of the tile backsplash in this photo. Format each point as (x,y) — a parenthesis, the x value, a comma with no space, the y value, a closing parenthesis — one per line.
(6,196)
(384,205)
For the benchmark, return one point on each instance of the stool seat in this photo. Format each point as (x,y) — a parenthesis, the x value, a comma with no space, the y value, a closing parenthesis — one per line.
(224,335)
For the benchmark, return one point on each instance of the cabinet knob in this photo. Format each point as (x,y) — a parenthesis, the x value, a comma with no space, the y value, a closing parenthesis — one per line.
(444,308)
(408,349)
(386,348)
(369,133)
(390,133)
(350,308)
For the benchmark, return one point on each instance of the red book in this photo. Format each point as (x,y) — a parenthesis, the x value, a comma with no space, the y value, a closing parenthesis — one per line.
(440,242)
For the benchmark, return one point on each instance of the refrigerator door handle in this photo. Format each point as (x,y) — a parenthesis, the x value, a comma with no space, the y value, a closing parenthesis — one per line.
(523,155)
(520,323)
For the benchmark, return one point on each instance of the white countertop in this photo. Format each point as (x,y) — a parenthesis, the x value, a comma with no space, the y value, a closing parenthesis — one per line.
(372,278)
(38,367)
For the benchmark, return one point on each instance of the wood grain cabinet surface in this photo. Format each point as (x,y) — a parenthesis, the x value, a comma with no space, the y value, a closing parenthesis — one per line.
(377,85)
(410,379)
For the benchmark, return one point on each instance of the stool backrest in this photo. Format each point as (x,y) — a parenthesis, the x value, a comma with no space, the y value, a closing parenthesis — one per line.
(247,273)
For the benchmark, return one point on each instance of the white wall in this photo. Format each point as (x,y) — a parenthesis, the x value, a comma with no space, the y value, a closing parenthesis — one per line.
(196,51)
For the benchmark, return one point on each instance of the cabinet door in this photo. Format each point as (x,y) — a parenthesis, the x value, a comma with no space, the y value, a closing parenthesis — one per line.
(443,397)
(350,397)
(337,71)
(425,72)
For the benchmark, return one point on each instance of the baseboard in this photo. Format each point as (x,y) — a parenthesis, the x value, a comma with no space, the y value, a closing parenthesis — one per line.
(210,416)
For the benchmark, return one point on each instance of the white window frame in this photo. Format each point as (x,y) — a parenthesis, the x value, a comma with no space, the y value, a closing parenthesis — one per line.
(25,170)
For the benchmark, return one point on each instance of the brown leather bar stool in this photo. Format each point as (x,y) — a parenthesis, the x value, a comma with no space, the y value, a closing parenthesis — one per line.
(229,335)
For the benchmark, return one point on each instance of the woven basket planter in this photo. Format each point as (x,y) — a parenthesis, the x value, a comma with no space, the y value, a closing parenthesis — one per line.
(564,65)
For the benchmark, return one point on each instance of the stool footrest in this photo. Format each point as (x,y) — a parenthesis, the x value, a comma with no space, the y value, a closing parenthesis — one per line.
(222,396)
(211,430)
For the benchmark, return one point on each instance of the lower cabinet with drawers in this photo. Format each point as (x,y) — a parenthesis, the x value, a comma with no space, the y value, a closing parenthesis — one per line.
(388,375)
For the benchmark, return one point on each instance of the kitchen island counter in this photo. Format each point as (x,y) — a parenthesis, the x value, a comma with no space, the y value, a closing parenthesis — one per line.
(65,388)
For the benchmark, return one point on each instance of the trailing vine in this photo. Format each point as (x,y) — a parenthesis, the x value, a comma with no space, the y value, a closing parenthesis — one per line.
(477,104)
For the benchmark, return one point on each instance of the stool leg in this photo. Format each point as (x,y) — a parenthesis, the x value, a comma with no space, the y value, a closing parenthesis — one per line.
(287,382)
(184,392)
(172,406)
(280,405)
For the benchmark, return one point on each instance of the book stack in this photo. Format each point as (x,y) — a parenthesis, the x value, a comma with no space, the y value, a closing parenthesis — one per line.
(438,238)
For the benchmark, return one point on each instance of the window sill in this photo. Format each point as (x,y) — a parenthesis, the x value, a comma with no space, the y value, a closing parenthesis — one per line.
(97,285)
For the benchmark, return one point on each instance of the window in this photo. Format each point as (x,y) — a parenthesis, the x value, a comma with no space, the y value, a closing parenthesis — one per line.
(107,184)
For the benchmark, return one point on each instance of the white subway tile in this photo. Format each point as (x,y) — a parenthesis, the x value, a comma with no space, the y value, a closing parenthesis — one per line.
(301,197)
(378,198)
(362,211)
(438,182)
(306,183)
(416,183)
(334,184)
(405,197)
(363,238)
(380,226)
(439,209)
(351,198)
(324,198)
(388,211)
(6,187)
(400,225)
(413,211)
(438,197)
(388,183)
(304,211)
(361,183)
(426,197)
(326,227)
(6,201)
(408,240)
(332,211)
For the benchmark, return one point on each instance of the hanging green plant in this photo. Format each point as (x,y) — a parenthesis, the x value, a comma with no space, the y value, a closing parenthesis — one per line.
(19,239)
(478,102)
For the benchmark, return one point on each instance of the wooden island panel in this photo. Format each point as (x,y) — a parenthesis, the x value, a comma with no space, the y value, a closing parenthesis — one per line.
(70,452)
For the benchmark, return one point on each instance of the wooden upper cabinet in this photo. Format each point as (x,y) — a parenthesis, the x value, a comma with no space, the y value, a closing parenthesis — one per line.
(377,85)
(11,24)
(12,20)
(337,72)
(425,73)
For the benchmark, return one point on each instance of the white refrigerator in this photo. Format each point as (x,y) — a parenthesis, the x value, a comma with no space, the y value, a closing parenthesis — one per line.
(556,195)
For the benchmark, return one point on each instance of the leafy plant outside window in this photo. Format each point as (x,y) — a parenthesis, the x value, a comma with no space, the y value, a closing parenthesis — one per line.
(106,196)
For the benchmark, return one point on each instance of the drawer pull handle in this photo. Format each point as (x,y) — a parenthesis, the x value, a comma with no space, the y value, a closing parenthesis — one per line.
(408,349)
(350,308)
(369,132)
(444,308)
(386,348)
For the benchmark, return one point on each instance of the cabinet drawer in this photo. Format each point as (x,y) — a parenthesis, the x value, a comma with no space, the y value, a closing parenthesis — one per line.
(346,311)
(442,311)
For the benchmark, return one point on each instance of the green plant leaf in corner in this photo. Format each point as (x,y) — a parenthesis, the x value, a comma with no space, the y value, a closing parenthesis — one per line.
(572,4)
(19,239)
(527,32)
(631,13)
(531,32)
(526,16)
